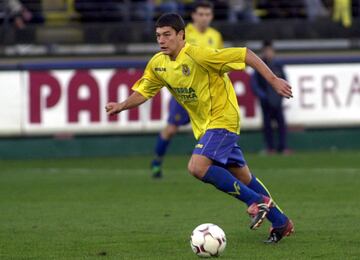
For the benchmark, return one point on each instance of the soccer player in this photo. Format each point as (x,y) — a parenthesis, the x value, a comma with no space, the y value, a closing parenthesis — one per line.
(198,33)
(197,78)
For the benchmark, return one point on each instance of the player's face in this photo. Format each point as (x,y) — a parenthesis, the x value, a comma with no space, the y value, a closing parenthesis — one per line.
(268,53)
(202,17)
(169,40)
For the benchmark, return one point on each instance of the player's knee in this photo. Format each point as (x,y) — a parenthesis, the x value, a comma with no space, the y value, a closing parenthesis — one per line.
(172,130)
(193,170)
(169,131)
(196,170)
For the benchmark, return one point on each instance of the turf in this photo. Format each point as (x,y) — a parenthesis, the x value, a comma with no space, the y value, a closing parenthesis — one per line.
(110,208)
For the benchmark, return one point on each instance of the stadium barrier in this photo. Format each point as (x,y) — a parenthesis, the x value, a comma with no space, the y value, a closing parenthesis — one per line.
(63,99)
(69,98)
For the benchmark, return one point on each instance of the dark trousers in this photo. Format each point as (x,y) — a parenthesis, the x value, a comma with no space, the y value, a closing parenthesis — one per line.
(274,114)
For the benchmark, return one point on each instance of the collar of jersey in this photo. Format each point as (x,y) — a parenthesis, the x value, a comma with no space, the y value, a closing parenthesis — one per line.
(192,27)
(181,53)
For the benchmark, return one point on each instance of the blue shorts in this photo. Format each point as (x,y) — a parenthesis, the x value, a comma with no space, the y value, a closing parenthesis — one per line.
(221,146)
(177,114)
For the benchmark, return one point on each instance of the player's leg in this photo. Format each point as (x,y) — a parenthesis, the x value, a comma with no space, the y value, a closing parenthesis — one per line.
(212,151)
(267,128)
(275,216)
(203,169)
(281,224)
(282,131)
(161,146)
(177,117)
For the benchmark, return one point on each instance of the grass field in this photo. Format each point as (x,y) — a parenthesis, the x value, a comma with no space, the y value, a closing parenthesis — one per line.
(110,208)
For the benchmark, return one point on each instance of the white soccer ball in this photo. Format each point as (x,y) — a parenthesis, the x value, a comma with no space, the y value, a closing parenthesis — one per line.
(208,240)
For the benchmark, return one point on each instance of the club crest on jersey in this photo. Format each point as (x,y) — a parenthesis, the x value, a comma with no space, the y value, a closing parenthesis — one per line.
(185,69)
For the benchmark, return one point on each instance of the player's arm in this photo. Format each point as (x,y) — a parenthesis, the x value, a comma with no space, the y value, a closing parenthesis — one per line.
(144,89)
(280,85)
(135,99)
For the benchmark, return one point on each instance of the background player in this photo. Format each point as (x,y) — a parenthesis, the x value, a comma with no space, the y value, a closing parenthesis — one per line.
(197,78)
(198,33)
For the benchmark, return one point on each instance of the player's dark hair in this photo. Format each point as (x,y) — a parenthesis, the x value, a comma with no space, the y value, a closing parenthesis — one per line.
(203,4)
(172,20)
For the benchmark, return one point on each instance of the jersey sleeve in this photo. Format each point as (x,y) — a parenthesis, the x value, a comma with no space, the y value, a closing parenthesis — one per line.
(149,84)
(222,60)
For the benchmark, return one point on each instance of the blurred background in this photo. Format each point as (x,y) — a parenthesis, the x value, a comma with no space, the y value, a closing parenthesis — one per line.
(61,61)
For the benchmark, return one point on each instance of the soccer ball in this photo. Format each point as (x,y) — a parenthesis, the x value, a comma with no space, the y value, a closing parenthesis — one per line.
(208,240)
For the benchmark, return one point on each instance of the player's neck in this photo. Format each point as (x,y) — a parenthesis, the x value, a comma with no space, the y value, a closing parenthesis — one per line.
(176,53)
(200,29)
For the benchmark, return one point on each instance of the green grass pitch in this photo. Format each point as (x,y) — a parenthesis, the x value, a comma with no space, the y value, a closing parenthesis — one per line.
(110,208)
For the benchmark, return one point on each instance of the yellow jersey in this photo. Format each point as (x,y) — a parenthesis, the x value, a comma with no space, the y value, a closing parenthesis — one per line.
(210,38)
(198,81)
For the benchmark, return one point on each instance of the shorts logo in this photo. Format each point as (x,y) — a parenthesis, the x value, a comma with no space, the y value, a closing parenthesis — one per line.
(185,69)
(160,69)
(177,117)
(199,146)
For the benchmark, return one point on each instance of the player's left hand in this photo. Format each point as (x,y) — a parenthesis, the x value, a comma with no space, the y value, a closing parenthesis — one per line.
(282,87)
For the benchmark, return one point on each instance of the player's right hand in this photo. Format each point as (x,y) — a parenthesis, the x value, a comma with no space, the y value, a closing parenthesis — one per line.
(112,108)
(282,87)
